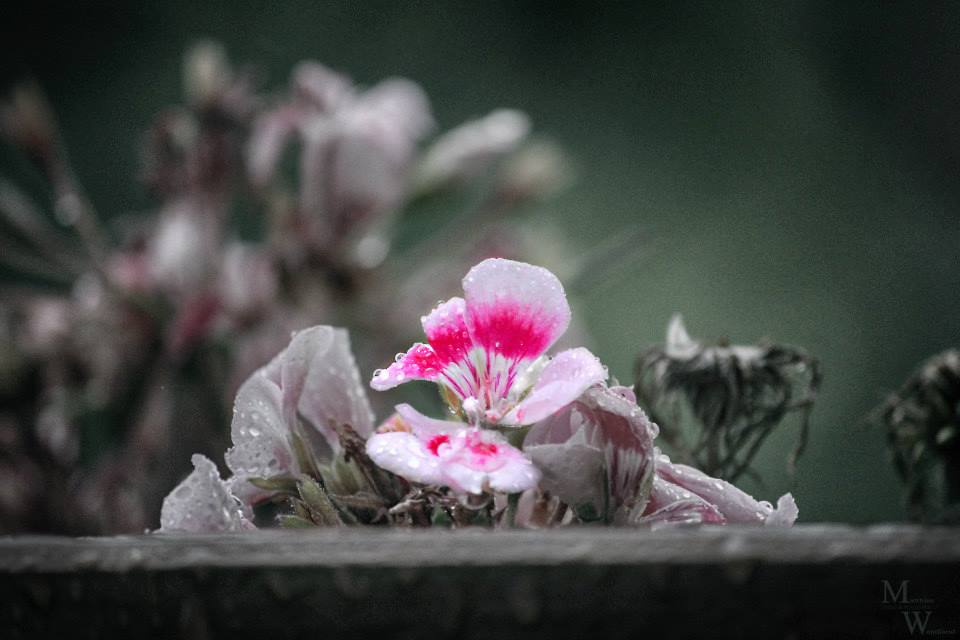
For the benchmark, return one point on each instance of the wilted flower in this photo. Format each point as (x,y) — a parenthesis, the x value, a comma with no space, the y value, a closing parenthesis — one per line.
(314,382)
(202,503)
(603,430)
(737,395)
(486,349)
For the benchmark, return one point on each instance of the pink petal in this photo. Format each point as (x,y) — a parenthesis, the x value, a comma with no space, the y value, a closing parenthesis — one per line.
(517,474)
(446,331)
(736,506)
(202,503)
(321,382)
(675,504)
(423,426)
(418,363)
(562,381)
(481,460)
(406,455)
(514,309)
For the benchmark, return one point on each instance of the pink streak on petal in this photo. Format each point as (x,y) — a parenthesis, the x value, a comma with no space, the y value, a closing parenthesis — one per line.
(514,309)
(568,375)
(418,363)
(405,455)
(446,331)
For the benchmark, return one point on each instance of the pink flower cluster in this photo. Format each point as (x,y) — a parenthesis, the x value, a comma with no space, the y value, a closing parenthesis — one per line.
(584,443)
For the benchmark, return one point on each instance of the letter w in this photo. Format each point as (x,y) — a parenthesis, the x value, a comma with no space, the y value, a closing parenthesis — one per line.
(919,621)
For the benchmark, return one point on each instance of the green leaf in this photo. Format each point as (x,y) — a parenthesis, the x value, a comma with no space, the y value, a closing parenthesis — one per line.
(322,510)
(280,484)
(295,522)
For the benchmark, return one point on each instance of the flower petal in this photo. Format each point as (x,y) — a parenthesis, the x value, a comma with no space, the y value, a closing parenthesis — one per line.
(517,474)
(562,381)
(514,309)
(617,427)
(423,426)
(736,506)
(260,445)
(406,455)
(418,363)
(320,363)
(202,503)
(785,513)
(446,331)
(573,472)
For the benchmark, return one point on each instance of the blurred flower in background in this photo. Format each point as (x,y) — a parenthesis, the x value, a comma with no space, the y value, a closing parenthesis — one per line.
(123,340)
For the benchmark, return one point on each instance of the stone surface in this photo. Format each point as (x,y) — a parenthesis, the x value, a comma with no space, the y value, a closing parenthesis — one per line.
(809,581)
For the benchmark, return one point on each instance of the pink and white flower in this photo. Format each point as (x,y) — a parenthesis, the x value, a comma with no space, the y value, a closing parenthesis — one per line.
(487,348)
(453,454)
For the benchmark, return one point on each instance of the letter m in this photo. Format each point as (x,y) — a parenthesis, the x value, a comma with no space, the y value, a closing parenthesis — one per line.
(900,595)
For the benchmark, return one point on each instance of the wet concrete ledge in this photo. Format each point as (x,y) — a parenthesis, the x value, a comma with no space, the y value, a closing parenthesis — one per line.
(809,581)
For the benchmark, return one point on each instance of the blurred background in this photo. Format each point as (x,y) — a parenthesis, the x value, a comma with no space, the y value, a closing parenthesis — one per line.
(782,170)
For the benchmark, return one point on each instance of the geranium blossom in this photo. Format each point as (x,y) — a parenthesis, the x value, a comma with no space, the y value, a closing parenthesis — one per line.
(487,348)
(464,458)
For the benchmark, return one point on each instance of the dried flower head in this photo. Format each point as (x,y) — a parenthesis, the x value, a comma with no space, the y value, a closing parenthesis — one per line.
(922,421)
(716,404)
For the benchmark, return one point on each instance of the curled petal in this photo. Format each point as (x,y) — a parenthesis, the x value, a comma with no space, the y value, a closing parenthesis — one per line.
(682,512)
(202,503)
(514,309)
(737,506)
(405,455)
(785,514)
(418,363)
(562,381)
(674,504)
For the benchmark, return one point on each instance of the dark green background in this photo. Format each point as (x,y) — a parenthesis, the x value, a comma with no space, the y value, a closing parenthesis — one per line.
(794,165)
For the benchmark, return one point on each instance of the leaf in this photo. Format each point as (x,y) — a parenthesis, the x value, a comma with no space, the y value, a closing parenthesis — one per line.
(295,522)
(322,510)
(280,484)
